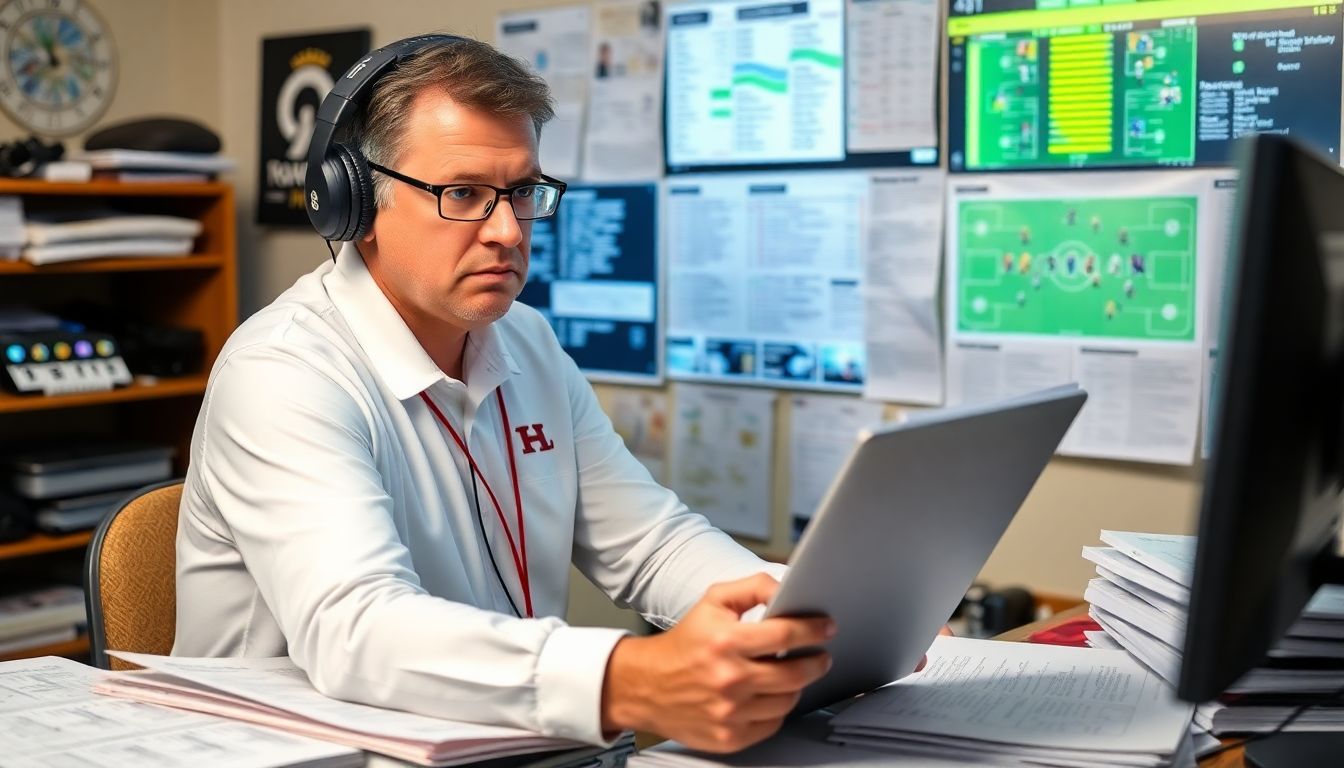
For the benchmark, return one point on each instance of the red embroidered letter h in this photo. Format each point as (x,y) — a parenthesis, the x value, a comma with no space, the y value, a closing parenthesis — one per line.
(534,438)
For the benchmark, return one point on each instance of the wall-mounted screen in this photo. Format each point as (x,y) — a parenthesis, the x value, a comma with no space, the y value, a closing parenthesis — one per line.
(1066,83)
(594,274)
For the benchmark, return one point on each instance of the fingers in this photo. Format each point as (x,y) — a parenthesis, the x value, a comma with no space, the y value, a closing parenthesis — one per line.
(768,707)
(744,594)
(923,660)
(775,636)
(779,677)
(734,738)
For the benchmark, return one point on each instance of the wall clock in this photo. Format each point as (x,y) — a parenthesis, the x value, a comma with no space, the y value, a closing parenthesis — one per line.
(58,67)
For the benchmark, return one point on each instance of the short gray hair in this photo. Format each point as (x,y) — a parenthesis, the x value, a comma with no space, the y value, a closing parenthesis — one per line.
(470,72)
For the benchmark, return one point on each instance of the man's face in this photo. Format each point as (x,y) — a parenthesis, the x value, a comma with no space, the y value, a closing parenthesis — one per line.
(462,273)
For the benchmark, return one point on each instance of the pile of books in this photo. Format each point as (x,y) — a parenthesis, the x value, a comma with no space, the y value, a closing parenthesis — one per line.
(136,165)
(39,617)
(1141,597)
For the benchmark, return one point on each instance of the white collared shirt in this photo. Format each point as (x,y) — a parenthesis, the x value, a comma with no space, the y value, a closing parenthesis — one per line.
(328,515)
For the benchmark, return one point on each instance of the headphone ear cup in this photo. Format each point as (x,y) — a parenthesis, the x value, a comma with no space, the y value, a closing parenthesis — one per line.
(362,203)
(328,189)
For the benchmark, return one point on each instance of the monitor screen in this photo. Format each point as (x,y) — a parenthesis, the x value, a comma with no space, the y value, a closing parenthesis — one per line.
(594,275)
(1067,83)
(753,84)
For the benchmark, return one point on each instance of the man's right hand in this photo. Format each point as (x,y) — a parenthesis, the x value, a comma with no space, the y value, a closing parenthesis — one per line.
(711,682)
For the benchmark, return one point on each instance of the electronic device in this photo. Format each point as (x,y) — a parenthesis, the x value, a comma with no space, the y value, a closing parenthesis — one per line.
(754,84)
(80,468)
(594,272)
(1044,84)
(58,362)
(906,526)
(1270,513)
(338,189)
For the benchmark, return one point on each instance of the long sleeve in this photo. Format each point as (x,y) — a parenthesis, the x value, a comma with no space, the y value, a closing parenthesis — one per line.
(286,454)
(634,538)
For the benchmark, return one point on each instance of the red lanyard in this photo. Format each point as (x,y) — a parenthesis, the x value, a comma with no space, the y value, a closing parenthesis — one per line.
(520,551)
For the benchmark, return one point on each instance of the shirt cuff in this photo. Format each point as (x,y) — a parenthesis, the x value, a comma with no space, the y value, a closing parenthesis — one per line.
(570,672)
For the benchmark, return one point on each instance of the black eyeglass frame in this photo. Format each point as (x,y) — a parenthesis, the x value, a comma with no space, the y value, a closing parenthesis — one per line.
(437,191)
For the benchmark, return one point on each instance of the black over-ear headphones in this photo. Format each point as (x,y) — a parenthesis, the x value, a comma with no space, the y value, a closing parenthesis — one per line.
(338,190)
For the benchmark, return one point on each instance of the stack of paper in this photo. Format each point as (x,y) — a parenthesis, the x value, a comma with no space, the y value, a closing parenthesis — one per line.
(40,617)
(50,717)
(132,165)
(1140,598)
(276,693)
(11,227)
(801,742)
(1023,704)
(96,234)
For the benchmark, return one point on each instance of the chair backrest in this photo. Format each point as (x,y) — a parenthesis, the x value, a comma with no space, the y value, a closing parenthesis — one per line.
(130,580)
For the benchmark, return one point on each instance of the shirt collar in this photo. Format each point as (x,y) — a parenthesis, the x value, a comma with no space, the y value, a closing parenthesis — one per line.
(393,351)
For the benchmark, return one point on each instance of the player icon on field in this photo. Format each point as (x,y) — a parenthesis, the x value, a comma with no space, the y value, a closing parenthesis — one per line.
(1095,223)
(1123,234)
(1136,263)
(1024,235)
(1024,263)
(1110,309)
(1071,263)
(1115,265)
(1021,298)
(1096,281)
(1129,289)
(1090,264)
(1071,217)
(1051,263)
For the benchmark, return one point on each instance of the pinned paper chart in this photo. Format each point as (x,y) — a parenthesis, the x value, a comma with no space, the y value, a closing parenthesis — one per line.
(1098,279)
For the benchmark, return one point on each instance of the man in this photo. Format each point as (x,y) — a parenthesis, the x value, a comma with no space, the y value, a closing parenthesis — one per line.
(394,466)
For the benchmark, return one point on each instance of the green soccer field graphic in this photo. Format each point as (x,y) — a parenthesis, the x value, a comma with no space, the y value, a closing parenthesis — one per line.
(1102,268)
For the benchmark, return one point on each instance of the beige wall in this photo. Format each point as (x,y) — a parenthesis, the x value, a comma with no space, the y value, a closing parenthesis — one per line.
(167,49)
(169,54)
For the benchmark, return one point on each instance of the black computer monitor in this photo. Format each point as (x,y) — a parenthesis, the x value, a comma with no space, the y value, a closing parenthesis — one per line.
(1272,496)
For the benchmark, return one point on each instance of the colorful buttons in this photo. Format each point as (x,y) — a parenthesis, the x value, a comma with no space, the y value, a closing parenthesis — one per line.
(62,350)
(15,353)
(40,353)
(83,349)
(105,348)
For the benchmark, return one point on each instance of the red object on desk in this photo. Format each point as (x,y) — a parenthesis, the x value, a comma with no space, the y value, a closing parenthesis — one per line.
(1067,633)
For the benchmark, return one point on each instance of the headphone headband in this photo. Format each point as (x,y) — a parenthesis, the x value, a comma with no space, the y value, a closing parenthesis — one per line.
(338,205)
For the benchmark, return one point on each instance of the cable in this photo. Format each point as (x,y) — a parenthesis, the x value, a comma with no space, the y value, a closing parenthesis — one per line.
(329,248)
(480,521)
(1301,708)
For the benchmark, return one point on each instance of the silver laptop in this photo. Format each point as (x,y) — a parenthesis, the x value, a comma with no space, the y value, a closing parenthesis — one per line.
(906,526)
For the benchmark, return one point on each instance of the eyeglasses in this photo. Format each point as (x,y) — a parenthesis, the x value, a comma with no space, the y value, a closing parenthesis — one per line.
(475,202)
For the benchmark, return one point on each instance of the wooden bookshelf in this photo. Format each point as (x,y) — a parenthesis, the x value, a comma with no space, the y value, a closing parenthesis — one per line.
(149,263)
(79,647)
(197,291)
(142,389)
(41,543)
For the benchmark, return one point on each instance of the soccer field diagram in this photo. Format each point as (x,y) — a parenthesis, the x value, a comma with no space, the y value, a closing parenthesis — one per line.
(1120,267)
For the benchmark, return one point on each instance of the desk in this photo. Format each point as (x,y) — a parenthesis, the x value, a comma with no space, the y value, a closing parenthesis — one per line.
(1232,758)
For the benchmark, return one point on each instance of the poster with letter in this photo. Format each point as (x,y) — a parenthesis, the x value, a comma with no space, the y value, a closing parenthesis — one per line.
(296,73)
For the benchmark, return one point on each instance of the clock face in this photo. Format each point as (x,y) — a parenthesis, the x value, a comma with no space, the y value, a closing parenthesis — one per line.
(58,68)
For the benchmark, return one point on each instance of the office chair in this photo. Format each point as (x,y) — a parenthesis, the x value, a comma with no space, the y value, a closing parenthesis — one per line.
(130,581)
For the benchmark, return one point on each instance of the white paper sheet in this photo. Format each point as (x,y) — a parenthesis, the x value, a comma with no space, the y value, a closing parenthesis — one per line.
(554,42)
(1170,554)
(50,716)
(640,417)
(765,279)
(278,683)
(623,136)
(721,445)
(893,76)
(823,432)
(1029,695)
(901,265)
(1131,569)
(1107,269)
